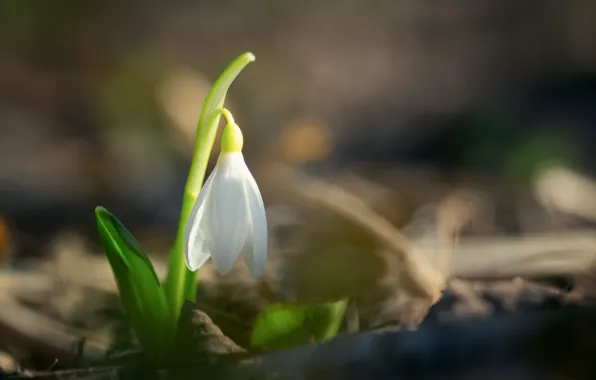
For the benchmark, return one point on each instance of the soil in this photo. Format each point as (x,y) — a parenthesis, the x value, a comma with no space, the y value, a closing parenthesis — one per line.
(463,302)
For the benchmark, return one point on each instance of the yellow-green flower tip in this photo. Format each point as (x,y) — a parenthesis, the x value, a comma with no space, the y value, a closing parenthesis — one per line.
(231,139)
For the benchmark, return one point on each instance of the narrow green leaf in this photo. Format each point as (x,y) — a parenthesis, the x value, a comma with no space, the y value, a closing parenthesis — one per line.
(326,319)
(280,326)
(142,296)
(283,326)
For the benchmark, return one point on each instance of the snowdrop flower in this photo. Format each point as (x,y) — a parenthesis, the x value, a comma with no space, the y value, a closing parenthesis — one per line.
(228,218)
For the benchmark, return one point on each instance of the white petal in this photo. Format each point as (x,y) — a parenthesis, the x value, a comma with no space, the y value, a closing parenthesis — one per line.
(200,254)
(195,249)
(247,250)
(227,213)
(255,256)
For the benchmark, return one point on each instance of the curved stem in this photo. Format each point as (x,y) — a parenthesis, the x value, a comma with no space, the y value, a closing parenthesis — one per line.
(181,283)
(227,114)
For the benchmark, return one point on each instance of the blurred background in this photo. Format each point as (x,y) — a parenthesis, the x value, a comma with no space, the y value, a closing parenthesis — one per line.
(99,99)
(403,102)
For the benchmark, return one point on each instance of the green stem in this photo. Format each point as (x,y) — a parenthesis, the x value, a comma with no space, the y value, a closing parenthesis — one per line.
(181,283)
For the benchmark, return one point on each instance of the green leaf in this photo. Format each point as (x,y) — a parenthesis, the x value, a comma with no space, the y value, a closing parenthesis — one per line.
(142,296)
(326,319)
(281,326)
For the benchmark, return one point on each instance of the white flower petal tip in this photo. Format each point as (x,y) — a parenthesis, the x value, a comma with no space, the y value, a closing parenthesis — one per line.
(228,220)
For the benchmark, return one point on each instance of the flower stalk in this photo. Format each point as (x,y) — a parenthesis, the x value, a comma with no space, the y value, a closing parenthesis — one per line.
(181,283)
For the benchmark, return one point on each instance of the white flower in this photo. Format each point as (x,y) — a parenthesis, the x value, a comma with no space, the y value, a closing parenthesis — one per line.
(228,218)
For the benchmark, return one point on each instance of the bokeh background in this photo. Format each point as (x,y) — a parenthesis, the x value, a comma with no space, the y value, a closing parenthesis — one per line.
(99,101)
